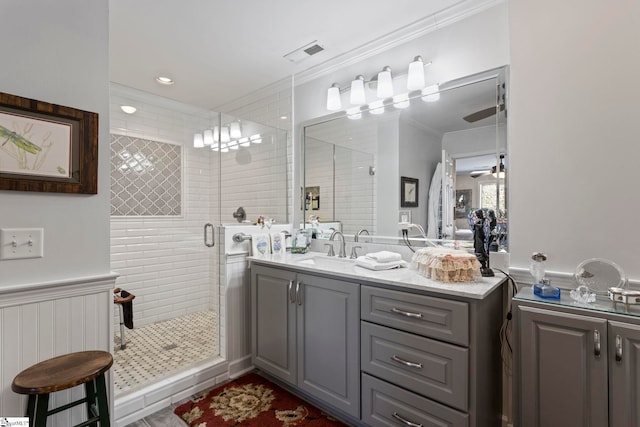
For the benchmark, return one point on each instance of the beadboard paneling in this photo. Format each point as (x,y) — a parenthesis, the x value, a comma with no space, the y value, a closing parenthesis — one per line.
(52,324)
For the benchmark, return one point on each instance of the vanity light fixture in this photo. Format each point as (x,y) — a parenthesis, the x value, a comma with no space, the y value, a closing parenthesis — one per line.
(128,109)
(208,137)
(376,107)
(244,142)
(233,145)
(224,134)
(431,93)
(198,140)
(382,82)
(216,134)
(401,101)
(235,131)
(333,98)
(167,81)
(256,139)
(357,96)
(415,77)
(354,113)
(215,147)
(385,83)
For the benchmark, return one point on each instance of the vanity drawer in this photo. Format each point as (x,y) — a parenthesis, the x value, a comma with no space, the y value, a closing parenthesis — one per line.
(384,404)
(432,317)
(431,368)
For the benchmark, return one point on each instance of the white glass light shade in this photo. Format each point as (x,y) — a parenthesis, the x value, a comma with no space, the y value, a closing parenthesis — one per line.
(385,83)
(224,134)
(354,113)
(256,139)
(357,96)
(333,98)
(415,78)
(401,101)
(216,134)
(198,140)
(208,137)
(376,107)
(234,130)
(215,147)
(224,148)
(234,145)
(244,142)
(431,93)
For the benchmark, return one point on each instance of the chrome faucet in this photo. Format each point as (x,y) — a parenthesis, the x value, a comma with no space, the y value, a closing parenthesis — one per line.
(364,230)
(342,253)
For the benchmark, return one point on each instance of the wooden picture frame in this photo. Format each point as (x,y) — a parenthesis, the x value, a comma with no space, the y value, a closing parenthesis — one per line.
(47,147)
(408,192)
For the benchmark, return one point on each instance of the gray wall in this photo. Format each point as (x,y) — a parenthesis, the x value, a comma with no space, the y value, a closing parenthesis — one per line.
(58,52)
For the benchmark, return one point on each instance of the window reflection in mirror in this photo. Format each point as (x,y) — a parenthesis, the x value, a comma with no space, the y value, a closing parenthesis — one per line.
(358,164)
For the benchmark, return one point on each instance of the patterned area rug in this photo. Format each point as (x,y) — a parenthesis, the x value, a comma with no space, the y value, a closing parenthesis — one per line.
(252,401)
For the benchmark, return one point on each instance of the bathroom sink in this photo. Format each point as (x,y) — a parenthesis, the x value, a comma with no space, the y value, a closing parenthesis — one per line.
(327,261)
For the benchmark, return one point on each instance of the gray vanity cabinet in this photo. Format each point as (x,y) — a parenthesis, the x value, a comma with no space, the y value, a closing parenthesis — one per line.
(273,319)
(576,366)
(306,332)
(624,374)
(563,369)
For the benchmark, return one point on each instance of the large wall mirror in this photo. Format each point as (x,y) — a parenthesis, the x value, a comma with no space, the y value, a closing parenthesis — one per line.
(431,161)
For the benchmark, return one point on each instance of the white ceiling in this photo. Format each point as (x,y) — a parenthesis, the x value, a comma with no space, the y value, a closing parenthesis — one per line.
(218,51)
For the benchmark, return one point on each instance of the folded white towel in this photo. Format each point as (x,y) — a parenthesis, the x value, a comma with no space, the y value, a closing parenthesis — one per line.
(384,256)
(371,264)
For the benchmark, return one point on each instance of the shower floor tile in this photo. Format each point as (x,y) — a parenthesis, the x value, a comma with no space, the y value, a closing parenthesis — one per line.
(160,349)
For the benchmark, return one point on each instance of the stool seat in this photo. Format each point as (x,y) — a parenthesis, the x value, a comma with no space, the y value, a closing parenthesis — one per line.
(62,372)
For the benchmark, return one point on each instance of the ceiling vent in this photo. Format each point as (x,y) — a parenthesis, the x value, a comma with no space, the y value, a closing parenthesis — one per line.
(304,52)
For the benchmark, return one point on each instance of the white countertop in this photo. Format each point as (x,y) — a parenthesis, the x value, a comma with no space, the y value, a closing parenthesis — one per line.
(400,277)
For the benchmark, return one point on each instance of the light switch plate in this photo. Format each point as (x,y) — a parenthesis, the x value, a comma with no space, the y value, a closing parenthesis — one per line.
(19,243)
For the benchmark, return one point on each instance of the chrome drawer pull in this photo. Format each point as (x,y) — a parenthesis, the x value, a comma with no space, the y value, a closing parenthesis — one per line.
(406,362)
(405,422)
(406,313)
(618,348)
(290,293)
(596,343)
(298,296)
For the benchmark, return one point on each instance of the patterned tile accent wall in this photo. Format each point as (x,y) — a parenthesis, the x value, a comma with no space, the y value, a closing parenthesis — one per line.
(146,177)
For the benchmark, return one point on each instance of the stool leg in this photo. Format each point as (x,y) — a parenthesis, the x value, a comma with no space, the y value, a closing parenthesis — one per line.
(42,407)
(90,393)
(103,404)
(31,406)
(123,343)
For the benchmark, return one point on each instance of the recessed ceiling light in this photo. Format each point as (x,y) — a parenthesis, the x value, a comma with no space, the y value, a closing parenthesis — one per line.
(128,109)
(164,80)
(284,117)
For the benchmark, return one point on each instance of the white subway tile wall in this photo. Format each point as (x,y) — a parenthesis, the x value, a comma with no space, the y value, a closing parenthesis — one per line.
(163,260)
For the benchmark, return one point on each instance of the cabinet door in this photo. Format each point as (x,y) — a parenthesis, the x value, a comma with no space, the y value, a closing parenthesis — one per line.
(563,369)
(329,341)
(273,332)
(624,371)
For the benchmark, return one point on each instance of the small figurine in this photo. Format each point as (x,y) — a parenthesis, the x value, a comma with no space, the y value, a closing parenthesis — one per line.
(479,242)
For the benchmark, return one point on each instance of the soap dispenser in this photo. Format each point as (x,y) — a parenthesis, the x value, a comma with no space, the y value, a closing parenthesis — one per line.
(541,286)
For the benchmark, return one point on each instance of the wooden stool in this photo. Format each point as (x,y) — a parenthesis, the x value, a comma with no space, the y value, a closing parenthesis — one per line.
(61,373)
(117,299)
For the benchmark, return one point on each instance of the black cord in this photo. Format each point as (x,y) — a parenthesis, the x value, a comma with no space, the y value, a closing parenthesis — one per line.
(405,238)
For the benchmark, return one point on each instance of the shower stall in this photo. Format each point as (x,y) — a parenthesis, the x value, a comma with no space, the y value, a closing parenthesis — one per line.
(179,173)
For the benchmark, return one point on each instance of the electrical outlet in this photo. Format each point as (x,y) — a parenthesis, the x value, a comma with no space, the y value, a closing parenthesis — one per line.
(19,243)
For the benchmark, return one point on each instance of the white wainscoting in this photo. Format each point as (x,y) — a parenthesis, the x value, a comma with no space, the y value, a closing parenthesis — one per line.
(44,320)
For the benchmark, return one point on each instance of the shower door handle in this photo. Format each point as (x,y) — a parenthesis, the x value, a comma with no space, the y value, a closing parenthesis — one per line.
(209,235)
